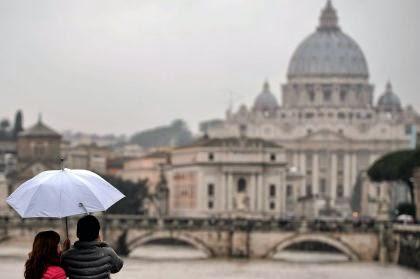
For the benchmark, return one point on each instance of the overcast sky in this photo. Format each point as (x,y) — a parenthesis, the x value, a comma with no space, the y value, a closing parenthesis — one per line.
(123,66)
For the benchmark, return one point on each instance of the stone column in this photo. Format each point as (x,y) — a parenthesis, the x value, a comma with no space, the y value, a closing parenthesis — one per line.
(281,196)
(416,189)
(295,160)
(251,192)
(221,193)
(333,179)
(353,171)
(260,197)
(302,169)
(230,188)
(315,173)
(228,192)
(254,205)
(347,174)
(364,196)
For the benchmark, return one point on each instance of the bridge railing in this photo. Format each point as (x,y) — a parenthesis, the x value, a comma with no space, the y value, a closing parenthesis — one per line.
(177,223)
(240,224)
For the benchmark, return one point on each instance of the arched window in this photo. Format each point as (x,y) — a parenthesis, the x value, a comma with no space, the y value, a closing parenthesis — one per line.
(211,156)
(272,190)
(241,185)
(210,190)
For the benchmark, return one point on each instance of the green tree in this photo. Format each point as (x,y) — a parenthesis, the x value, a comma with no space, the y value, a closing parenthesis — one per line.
(4,129)
(396,166)
(134,196)
(4,124)
(18,127)
(175,134)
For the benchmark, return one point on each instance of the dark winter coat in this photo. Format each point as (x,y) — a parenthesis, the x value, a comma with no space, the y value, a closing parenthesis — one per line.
(90,260)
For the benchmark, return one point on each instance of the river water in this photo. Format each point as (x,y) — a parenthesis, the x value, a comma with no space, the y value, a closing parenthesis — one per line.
(155,262)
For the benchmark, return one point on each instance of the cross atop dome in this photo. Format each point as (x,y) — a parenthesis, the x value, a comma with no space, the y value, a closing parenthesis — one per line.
(328,21)
(266,86)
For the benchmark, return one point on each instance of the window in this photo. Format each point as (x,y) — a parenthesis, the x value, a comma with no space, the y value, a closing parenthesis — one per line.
(311,96)
(309,115)
(241,185)
(309,131)
(341,115)
(323,186)
(340,190)
(272,191)
(210,190)
(343,95)
(289,191)
(327,95)
(272,205)
(210,204)
(39,149)
(211,156)
(242,129)
(309,190)
(273,157)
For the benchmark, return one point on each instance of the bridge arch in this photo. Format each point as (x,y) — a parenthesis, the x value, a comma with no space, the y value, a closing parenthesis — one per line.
(295,239)
(160,235)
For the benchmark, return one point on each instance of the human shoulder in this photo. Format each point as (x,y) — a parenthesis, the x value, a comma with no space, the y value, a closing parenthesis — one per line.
(68,252)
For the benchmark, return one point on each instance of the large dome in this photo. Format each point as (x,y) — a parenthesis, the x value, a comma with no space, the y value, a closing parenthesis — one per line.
(328,52)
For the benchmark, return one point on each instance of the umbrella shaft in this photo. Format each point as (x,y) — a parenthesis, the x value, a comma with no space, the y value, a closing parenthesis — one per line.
(67,228)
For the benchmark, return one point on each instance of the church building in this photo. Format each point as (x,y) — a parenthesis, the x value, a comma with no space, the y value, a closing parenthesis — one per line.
(328,121)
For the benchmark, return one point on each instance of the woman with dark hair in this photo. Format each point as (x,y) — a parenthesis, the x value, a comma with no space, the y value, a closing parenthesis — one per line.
(44,260)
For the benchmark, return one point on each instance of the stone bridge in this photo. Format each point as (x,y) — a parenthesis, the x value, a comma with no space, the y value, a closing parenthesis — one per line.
(252,238)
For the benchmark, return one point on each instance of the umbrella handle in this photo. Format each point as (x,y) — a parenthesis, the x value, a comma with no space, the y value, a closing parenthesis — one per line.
(82,206)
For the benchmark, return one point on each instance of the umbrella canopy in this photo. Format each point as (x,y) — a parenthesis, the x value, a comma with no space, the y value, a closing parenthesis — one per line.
(62,193)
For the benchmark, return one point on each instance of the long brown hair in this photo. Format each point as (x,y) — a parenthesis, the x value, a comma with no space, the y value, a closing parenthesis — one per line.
(44,252)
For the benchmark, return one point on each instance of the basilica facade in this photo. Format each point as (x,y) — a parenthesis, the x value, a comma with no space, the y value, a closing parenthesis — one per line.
(328,122)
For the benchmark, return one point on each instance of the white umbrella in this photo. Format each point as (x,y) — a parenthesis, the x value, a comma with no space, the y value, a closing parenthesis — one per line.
(62,193)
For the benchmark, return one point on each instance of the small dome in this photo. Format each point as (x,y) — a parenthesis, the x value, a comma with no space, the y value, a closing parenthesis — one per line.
(389,101)
(328,52)
(266,101)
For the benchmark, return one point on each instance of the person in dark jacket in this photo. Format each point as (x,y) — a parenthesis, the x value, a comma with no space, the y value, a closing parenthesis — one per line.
(89,257)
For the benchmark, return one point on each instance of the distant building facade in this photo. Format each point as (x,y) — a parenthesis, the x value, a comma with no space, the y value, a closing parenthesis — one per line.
(4,193)
(38,149)
(89,157)
(147,167)
(328,122)
(237,176)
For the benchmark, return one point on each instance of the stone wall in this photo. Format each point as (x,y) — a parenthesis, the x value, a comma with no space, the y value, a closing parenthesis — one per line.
(416,177)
